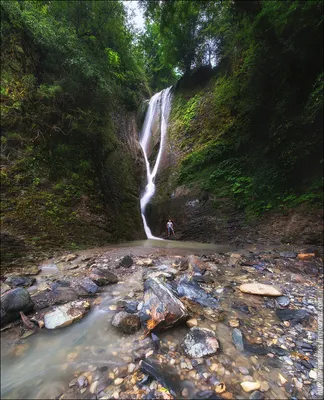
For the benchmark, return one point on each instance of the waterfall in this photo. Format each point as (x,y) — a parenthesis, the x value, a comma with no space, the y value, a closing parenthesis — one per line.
(160,103)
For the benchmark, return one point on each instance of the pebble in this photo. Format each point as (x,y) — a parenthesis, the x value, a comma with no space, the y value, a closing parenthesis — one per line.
(185,392)
(131,367)
(234,323)
(243,370)
(93,387)
(113,307)
(220,388)
(282,379)
(118,381)
(192,322)
(250,386)
(313,374)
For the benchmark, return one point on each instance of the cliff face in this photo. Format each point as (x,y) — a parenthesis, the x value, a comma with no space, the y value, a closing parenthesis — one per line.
(95,202)
(220,187)
(71,166)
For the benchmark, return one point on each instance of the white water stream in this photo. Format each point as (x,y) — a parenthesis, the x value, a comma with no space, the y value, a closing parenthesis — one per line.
(159,105)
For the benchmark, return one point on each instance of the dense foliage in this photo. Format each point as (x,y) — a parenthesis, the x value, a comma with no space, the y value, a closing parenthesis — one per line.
(253,131)
(70,74)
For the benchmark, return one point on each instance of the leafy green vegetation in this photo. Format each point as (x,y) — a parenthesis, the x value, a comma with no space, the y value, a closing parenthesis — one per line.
(253,130)
(71,75)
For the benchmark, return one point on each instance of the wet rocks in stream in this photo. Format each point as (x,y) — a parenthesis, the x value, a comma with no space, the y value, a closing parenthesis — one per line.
(262,346)
(200,342)
(102,277)
(64,315)
(167,376)
(260,289)
(126,262)
(126,323)
(84,286)
(294,316)
(160,307)
(19,281)
(191,290)
(12,302)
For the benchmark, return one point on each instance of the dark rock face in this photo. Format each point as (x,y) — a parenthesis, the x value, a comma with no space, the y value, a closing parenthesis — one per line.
(194,292)
(256,395)
(21,281)
(168,377)
(200,342)
(14,301)
(161,305)
(127,323)
(102,277)
(84,286)
(126,262)
(59,295)
(131,307)
(293,316)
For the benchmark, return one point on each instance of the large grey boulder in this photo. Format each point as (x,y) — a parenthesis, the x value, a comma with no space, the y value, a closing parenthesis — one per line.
(200,342)
(12,302)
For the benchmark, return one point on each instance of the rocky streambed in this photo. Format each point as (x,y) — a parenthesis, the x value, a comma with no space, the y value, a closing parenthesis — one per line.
(163,323)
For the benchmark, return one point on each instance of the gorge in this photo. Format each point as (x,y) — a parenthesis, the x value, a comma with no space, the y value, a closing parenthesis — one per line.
(211,115)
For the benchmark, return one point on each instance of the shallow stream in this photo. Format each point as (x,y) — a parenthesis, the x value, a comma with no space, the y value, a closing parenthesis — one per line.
(42,365)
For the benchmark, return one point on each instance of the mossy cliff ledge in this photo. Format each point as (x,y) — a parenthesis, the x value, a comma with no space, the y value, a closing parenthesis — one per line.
(71,165)
(226,179)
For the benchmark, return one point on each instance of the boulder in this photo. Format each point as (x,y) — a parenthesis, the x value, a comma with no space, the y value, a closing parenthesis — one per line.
(64,315)
(131,307)
(191,290)
(69,257)
(250,386)
(102,277)
(293,316)
(4,288)
(184,264)
(127,323)
(126,262)
(200,342)
(165,375)
(196,265)
(58,295)
(12,302)
(161,307)
(19,281)
(84,286)
(147,262)
(260,289)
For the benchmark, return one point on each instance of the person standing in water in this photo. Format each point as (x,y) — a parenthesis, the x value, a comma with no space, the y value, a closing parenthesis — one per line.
(170,229)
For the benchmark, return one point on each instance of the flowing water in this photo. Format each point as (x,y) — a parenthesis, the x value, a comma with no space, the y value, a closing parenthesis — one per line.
(159,106)
(42,365)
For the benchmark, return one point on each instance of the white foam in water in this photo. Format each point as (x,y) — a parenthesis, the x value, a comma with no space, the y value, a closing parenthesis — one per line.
(163,97)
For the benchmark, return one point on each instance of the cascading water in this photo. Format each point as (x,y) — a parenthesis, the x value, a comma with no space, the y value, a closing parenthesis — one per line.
(160,102)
